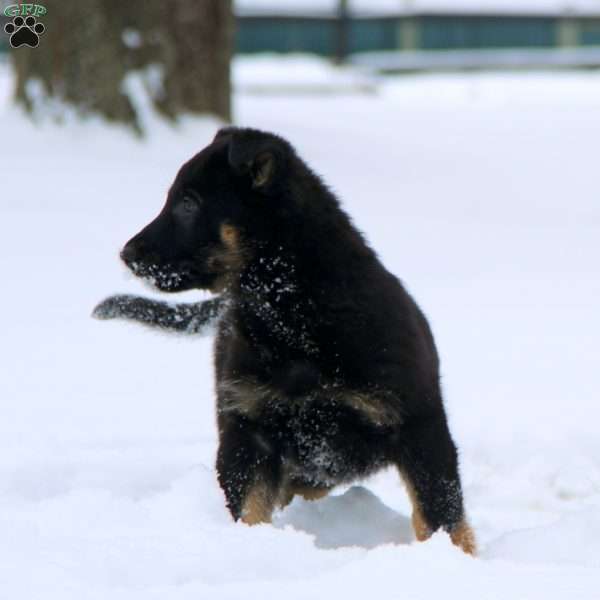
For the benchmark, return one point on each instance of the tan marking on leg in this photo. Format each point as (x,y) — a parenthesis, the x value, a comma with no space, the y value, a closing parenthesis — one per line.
(258,505)
(311,493)
(462,536)
(422,530)
(291,489)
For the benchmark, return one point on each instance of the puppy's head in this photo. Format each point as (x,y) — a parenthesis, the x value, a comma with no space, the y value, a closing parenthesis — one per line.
(214,213)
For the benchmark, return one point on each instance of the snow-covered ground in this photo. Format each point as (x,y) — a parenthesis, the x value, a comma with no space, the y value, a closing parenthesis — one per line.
(481,192)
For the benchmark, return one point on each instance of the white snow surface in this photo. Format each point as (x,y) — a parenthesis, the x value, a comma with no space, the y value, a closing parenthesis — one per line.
(399,7)
(480,191)
(296,73)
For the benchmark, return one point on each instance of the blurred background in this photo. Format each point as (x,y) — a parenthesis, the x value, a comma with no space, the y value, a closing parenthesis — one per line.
(463,139)
(185,48)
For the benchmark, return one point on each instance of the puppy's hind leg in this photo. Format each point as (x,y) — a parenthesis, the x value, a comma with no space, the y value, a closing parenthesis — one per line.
(428,464)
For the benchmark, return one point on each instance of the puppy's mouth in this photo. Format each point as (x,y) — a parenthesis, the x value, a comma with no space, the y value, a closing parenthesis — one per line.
(165,278)
(170,278)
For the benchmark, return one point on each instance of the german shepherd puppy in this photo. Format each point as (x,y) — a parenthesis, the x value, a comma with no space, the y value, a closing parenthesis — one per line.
(326,369)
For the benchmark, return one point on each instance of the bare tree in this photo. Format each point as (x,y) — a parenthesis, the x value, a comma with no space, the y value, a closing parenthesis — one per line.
(90,46)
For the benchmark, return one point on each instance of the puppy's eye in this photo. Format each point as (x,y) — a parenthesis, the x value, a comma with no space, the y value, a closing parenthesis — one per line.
(190,204)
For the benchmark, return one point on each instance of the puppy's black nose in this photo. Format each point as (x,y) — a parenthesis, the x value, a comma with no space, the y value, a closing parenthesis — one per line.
(130,252)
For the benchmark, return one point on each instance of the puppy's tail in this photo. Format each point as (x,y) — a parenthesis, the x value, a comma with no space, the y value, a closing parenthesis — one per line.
(197,318)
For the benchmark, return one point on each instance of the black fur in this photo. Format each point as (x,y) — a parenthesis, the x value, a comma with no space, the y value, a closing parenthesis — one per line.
(326,369)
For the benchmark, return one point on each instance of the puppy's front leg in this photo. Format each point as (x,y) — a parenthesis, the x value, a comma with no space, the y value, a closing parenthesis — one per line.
(249,470)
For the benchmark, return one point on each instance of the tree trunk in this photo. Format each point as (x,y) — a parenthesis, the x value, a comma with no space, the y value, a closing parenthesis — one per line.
(181,48)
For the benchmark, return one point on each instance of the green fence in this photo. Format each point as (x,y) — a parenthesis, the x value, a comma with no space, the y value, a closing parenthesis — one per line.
(441,33)
(319,36)
(285,35)
(373,34)
(430,32)
(590,32)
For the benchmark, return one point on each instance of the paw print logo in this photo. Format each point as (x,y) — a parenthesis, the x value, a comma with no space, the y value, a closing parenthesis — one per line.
(24,32)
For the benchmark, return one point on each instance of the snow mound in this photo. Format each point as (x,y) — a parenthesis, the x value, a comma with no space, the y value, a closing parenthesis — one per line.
(355,518)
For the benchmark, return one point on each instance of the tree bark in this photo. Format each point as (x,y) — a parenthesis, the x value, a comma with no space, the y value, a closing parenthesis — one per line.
(182,49)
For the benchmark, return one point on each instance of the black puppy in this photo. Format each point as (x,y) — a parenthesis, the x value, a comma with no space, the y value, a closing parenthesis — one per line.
(326,369)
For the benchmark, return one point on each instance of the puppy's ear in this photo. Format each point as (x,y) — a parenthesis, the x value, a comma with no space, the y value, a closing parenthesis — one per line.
(224,132)
(258,155)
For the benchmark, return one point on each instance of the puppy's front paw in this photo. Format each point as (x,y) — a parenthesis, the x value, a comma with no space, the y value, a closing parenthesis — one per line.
(111,307)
